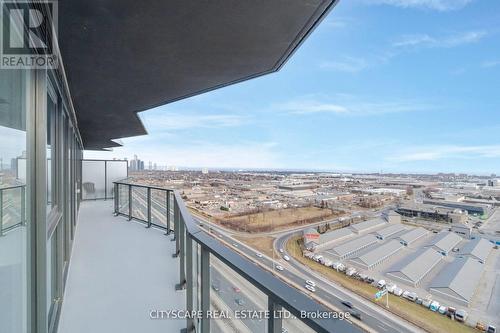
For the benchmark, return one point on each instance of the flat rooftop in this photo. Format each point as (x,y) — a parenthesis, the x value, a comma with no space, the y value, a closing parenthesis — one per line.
(119,272)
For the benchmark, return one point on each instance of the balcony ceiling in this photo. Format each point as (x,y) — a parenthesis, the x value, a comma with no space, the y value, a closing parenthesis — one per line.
(126,56)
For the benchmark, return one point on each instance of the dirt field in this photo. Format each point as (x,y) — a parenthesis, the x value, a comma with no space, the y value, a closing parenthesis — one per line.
(263,244)
(417,314)
(276,219)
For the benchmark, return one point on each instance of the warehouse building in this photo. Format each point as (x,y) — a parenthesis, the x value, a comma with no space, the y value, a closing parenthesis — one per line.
(478,248)
(478,209)
(378,255)
(412,269)
(458,281)
(368,225)
(323,241)
(389,231)
(353,247)
(444,242)
(412,236)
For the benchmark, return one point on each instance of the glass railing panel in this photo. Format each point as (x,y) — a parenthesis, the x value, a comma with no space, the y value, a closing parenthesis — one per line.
(159,207)
(140,203)
(93,180)
(115,170)
(123,199)
(12,207)
(233,294)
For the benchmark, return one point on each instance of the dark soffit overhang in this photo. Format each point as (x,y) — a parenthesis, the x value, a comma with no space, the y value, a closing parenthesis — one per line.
(126,56)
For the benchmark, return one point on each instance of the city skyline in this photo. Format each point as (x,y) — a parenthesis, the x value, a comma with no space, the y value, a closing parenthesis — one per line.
(359,96)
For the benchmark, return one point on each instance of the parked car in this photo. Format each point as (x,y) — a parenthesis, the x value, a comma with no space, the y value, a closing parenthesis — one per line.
(451,312)
(491,329)
(398,291)
(350,271)
(215,287)
(442,309)
(426,303)
(381,284)
(282,251)
(419,301)
(434,306)
(480,326)
(461,315)
(236,289)
(390,287)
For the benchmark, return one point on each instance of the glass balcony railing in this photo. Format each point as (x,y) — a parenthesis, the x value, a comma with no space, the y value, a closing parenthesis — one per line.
(209,272)
(12,207)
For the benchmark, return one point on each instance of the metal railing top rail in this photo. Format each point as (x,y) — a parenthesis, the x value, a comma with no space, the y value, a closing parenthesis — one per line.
(287,296)
(10,187)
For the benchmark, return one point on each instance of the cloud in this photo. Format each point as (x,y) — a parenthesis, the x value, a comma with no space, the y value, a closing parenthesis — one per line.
(438,5)
(348,105)
(346,64)
(177,121)
(425,40)
(439,152)
(490,64)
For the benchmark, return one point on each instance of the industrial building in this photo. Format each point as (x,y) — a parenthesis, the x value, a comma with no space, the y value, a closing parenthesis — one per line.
(478,248)
(412,269)
(353,247)
(322,241)
(389,231)
(478,209)
(431,212)
(444,242)
(368,225)
(458,281)
(412,236)
(377,255)
(462,229)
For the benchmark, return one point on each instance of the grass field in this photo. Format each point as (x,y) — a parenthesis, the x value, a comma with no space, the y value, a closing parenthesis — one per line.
(417,314)
(276,219)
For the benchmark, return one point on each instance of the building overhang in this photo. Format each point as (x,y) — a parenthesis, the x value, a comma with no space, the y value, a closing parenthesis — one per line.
(125,56)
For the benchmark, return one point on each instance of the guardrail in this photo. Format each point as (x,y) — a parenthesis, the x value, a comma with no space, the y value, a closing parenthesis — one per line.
(12,207)
(199,253)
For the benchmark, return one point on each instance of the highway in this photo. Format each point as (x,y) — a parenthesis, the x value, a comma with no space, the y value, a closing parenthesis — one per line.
(294,273)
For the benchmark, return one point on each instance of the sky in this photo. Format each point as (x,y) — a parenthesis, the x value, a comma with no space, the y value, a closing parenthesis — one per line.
(379,86)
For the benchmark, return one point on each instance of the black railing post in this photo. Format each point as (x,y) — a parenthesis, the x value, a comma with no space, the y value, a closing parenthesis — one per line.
(205,288)
(190,280)
(274,322)
(1,212)
(23,205)
(168,212)
(149,207)
(129,202)
(182,254)
(116,199)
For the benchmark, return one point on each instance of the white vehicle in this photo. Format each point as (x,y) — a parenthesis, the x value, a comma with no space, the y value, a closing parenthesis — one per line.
(338,266)
(235,245)
(279,267)
(410,296)
(350,271)
(426,303)
(259,255)
(281,250)
(317,257)
(391,287)
(381,284)
(398,291)
(328,263)
(310,288)
(311,283)
(287,258)
(461,315)
(443,309)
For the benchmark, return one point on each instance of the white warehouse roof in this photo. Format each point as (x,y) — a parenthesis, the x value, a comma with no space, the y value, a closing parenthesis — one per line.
(445,241)
(478,248)
(350,247)
(390,230)
(378,255)
(415,267)
(413,235)
(367,225)
(458,281)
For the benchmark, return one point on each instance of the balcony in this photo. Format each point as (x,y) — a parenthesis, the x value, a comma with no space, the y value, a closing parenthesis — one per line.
(130,270)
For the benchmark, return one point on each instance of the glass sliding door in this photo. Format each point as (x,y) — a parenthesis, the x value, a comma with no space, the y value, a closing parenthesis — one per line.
(14,208)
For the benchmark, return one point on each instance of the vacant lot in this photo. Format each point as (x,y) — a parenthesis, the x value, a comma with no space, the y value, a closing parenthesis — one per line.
(263,244)
(276,219)
(417,314)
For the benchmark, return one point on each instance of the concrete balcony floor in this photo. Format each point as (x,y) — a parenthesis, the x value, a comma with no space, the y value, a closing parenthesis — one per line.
(119,272)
